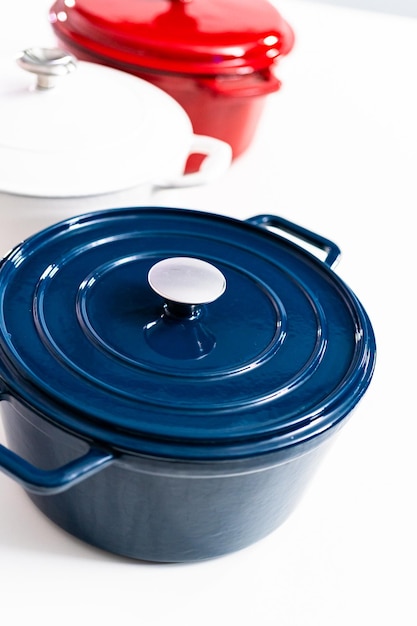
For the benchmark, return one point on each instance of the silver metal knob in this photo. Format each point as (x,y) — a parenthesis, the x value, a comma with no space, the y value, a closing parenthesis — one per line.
(186,284)
(48,64)
(187,280)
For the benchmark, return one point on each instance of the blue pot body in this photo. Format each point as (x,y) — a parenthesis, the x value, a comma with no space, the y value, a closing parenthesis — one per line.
(163,510)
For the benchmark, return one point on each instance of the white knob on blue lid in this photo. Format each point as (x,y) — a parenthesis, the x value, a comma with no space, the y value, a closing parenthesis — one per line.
(187,280)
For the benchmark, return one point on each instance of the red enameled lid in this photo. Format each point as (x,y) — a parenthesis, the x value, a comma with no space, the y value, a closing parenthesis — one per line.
(194,36)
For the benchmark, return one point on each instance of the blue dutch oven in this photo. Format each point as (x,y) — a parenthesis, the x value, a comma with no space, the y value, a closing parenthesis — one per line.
(170,379)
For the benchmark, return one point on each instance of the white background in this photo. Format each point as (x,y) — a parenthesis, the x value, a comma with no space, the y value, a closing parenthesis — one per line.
(336,152)
(397,7)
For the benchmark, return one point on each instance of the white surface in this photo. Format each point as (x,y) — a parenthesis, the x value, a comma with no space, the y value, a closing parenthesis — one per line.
(336,152)
(398,7)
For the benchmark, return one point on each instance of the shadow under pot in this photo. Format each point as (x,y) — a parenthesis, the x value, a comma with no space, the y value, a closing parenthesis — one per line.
(217,58)
(170,379)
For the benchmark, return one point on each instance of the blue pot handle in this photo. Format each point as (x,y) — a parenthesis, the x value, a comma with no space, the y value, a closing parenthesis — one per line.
(50,482)
(279,223)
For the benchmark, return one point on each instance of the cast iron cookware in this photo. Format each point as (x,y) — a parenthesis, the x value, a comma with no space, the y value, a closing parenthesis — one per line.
(217,58)
(73,129)
(171,378)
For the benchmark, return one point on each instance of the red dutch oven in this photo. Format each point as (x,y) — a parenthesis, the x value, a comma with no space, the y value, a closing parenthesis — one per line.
(216,57)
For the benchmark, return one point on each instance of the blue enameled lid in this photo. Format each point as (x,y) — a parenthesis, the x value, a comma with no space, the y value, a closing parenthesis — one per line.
(182,334)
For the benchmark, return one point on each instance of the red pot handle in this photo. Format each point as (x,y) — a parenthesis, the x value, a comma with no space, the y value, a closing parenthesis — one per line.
(245,86)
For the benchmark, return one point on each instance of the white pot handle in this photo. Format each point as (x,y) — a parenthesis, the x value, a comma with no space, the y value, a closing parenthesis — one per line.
(217,162)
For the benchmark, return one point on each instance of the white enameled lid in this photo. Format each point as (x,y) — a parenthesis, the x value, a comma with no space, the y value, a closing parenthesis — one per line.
(71,128)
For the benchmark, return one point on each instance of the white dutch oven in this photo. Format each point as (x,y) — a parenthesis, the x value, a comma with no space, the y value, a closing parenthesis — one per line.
(72,130)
